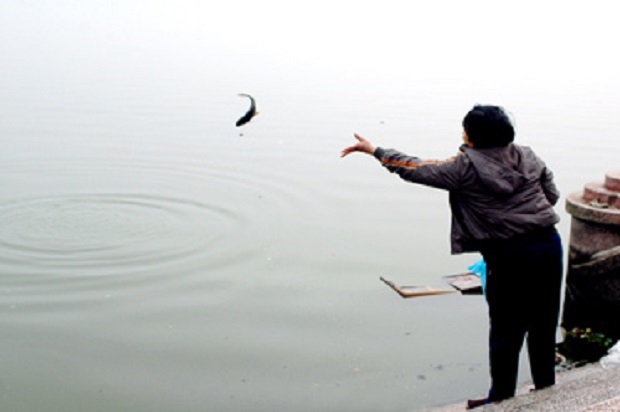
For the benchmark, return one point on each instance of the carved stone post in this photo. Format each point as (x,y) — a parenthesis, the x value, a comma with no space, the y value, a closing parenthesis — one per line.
(592,298)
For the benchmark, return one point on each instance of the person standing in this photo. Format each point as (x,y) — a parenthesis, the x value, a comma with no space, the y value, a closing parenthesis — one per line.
(501,198)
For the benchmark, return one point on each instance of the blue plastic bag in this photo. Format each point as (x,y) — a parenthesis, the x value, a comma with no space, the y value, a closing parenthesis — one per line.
(480,268)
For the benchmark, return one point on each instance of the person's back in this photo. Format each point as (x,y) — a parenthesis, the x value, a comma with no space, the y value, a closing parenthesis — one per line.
(503,192)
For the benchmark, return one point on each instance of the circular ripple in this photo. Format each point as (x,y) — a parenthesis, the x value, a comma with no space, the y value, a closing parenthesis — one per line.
(109,230)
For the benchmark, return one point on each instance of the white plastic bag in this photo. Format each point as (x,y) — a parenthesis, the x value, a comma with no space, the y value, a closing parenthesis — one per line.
(612,358)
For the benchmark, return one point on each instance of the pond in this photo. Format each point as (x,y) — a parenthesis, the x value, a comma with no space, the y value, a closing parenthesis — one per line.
(155,257)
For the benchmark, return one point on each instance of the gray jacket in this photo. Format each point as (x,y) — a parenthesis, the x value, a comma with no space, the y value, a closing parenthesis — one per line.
(495,193)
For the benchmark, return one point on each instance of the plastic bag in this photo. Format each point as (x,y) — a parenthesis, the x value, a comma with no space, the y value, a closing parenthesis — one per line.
(480,268)
(612,358)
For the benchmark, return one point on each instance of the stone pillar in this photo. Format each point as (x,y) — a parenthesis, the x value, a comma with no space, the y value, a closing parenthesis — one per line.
(592,298)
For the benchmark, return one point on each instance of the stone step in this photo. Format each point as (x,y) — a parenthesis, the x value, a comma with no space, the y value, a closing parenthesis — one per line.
(612,181)
(601,194)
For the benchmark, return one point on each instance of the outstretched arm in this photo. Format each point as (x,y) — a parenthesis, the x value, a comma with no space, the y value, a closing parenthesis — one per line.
(362,145)
(442,174)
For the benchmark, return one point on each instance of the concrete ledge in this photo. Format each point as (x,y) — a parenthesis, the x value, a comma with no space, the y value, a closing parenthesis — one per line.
(589,388)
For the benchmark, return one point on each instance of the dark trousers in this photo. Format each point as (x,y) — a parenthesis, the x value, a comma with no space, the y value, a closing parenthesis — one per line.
(524,279)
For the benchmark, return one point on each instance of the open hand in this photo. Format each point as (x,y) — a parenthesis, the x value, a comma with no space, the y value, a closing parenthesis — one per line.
(362,145)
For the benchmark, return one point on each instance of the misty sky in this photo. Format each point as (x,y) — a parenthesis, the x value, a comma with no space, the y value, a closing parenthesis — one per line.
(565,40)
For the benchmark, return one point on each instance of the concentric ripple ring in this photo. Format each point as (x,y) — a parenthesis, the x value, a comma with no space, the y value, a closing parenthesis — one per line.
(109,231)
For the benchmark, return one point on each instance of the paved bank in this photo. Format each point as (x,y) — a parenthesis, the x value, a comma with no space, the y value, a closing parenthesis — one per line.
(587,389)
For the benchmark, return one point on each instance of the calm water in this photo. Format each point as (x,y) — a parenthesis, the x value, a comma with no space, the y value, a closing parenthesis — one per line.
(153,257)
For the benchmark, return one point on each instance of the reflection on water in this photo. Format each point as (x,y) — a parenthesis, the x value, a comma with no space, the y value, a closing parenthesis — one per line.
(155,257)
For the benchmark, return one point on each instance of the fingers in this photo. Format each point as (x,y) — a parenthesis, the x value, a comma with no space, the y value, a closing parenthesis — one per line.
(348,150)
(361,146)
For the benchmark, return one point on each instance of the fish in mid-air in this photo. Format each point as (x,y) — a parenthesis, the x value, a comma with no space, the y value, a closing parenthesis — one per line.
(250,113)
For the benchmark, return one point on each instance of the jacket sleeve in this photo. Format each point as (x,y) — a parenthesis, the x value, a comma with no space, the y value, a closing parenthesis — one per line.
(441,174)
(549,188)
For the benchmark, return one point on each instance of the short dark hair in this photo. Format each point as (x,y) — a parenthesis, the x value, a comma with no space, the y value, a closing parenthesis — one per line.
(488,126)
